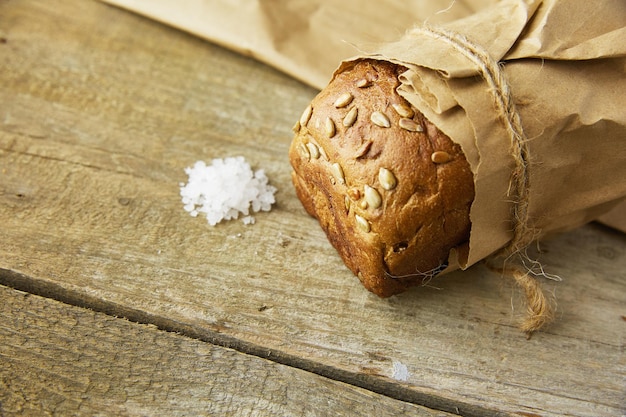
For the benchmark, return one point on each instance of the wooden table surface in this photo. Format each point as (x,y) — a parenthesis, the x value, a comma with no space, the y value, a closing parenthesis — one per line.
(114,301)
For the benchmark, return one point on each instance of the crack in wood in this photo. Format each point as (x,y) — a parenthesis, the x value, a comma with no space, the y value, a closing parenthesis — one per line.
(373,383)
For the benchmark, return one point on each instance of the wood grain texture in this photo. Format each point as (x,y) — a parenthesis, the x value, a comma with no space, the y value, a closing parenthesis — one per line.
(101,111)
(64,360)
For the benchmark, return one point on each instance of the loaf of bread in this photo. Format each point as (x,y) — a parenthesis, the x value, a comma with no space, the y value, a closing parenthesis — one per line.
(391,191)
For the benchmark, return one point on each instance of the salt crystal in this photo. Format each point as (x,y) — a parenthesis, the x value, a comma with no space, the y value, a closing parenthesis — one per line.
(400,372)
(225,189)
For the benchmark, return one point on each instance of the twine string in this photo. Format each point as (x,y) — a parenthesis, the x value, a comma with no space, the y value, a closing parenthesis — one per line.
(540,310)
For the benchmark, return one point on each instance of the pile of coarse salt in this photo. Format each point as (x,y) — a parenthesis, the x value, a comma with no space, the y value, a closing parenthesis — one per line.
(226,188)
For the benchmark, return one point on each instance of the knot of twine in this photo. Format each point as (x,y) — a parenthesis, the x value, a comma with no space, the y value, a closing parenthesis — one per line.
(540,311)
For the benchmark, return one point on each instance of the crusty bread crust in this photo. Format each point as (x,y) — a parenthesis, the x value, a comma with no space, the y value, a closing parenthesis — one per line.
(392,200)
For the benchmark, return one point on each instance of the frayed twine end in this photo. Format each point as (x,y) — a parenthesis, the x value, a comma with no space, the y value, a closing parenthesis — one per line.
(540,308)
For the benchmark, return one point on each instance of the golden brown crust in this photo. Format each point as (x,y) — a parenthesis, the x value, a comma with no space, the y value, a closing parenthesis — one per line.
(392,200)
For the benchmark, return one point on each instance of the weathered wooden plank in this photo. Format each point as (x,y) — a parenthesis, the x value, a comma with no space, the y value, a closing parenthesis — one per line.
(104,111)
(64,360)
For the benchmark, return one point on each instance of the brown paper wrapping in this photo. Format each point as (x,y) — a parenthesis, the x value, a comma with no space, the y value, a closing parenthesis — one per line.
(563,62)
(527,100)
(306,39)
(533,91)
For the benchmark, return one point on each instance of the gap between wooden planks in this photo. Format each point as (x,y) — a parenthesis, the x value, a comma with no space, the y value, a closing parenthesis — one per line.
(54,293)
(70,361)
